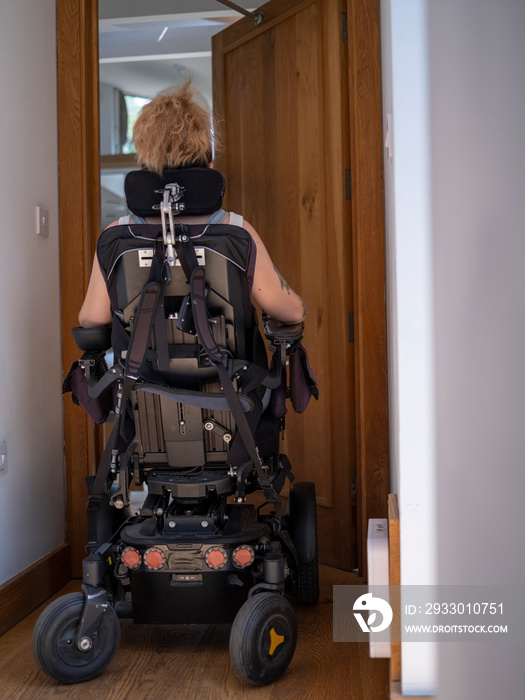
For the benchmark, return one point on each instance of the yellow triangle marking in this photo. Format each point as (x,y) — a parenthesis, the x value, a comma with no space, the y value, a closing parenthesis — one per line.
(276,640)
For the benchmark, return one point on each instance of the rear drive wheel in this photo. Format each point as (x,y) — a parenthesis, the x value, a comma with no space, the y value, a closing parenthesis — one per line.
(302,523)
(263,638)
(54,645)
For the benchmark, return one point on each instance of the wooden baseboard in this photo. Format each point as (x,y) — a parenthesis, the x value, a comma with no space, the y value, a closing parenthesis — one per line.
(27,590)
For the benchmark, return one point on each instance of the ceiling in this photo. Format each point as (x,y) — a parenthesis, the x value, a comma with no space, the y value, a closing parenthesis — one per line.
(148,45)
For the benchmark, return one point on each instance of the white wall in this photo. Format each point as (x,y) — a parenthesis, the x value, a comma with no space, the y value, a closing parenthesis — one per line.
(455,227)
(477,100)
(409,305)
(32,510)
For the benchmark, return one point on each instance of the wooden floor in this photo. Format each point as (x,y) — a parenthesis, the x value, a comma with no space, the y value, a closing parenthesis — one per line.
(192,663)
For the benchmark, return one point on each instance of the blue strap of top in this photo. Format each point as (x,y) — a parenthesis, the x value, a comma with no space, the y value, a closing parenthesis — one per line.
(134,219)
(217,217)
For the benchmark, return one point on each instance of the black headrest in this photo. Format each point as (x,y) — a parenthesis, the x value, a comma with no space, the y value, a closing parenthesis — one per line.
(203,190)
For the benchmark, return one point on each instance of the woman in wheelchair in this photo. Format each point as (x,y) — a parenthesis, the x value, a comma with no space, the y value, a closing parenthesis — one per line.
(174,131)
(171,293)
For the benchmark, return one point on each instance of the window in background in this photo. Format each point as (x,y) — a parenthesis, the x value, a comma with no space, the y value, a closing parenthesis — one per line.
(133,106)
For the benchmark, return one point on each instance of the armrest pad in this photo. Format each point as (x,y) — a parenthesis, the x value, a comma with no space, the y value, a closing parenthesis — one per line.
(275,331)
(92,339)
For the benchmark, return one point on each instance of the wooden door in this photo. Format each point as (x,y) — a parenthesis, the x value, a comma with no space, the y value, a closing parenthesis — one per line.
(283,97)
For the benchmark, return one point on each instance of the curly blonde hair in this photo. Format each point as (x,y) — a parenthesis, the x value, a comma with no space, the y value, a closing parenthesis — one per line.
(173,131)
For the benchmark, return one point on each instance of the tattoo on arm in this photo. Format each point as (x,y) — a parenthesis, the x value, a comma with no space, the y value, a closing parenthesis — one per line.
(284,283)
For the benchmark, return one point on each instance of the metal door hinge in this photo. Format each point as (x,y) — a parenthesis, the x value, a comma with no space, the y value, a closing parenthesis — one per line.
(350,326)
(344,27)
(348,184)
(353,485)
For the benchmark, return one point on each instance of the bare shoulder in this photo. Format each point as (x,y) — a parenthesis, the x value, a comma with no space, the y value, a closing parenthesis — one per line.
(253,233)
(114,223)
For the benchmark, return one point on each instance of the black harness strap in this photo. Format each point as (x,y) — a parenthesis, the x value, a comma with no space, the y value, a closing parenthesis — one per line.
(150,316)
(200,316)
(185,251)
(161,340)
(201,399)
(141,333)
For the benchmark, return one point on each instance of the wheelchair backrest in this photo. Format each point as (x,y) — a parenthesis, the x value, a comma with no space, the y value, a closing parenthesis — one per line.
(135,255)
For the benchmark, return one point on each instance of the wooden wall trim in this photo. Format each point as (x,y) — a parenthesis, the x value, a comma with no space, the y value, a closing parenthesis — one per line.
(79,190)
(119,161)
(339,283)
(369,264)
(26,591)
(395,580)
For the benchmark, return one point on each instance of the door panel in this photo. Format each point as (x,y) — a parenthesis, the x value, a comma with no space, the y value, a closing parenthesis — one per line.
(281,89)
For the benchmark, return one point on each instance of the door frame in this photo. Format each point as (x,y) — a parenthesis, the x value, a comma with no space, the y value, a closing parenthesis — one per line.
(79,196)
(77,46)
(366,157)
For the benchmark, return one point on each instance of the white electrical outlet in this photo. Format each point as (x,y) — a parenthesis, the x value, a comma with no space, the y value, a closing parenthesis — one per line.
(378,575)
(3,458)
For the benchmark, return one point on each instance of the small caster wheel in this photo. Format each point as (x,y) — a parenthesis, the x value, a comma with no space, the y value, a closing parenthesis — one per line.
(54,645)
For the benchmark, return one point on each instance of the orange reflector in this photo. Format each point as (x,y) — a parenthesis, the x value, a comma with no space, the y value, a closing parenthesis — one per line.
(243,556)
(131,558)
(216,557)
(154,558)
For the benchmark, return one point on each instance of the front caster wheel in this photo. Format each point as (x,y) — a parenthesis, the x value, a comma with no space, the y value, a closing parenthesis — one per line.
(54,645)
(263,638)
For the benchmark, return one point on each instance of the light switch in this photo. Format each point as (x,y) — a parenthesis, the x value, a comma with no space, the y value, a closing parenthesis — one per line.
(3,458)
(42,222)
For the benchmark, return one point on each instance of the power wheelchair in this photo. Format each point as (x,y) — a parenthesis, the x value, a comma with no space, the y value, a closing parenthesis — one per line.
(197,415)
